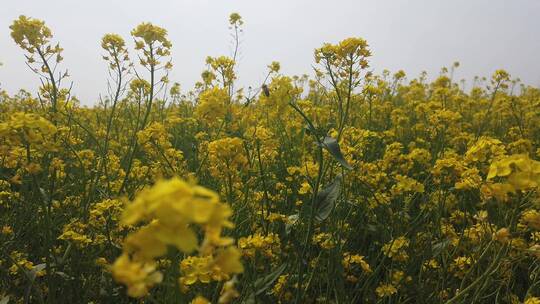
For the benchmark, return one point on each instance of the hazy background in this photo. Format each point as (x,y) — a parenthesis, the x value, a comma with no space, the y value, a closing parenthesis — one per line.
(413,35)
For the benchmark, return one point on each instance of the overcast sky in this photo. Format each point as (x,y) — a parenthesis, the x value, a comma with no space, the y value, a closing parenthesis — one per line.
(413,35)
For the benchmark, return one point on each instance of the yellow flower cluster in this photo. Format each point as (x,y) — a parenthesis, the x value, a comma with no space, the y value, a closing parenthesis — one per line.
(345,52)
(212,107)
(531,218)
(532,300)
(518,173)
(75,233)
(139,277)
(324,240)
(396,249)
(385,290)
(349,261)
(30,34)
(108,210)
(152,40)
(168,209)
(461,265)
(406,184)
(20,263)
(267,245)
(23,128)
(210,268)
(226,157)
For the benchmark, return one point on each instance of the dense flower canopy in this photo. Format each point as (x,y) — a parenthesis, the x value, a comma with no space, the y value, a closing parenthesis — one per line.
(341,187)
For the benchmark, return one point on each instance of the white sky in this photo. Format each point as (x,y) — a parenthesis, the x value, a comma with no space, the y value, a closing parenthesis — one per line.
(413,35)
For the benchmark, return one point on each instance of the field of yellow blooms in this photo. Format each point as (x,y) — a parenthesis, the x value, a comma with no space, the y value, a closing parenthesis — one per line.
(344,187)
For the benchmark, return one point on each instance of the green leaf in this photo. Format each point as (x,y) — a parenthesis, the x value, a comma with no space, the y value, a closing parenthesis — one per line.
(331,144)
(4,300)
(326,199)
(262,284)
(439,247)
